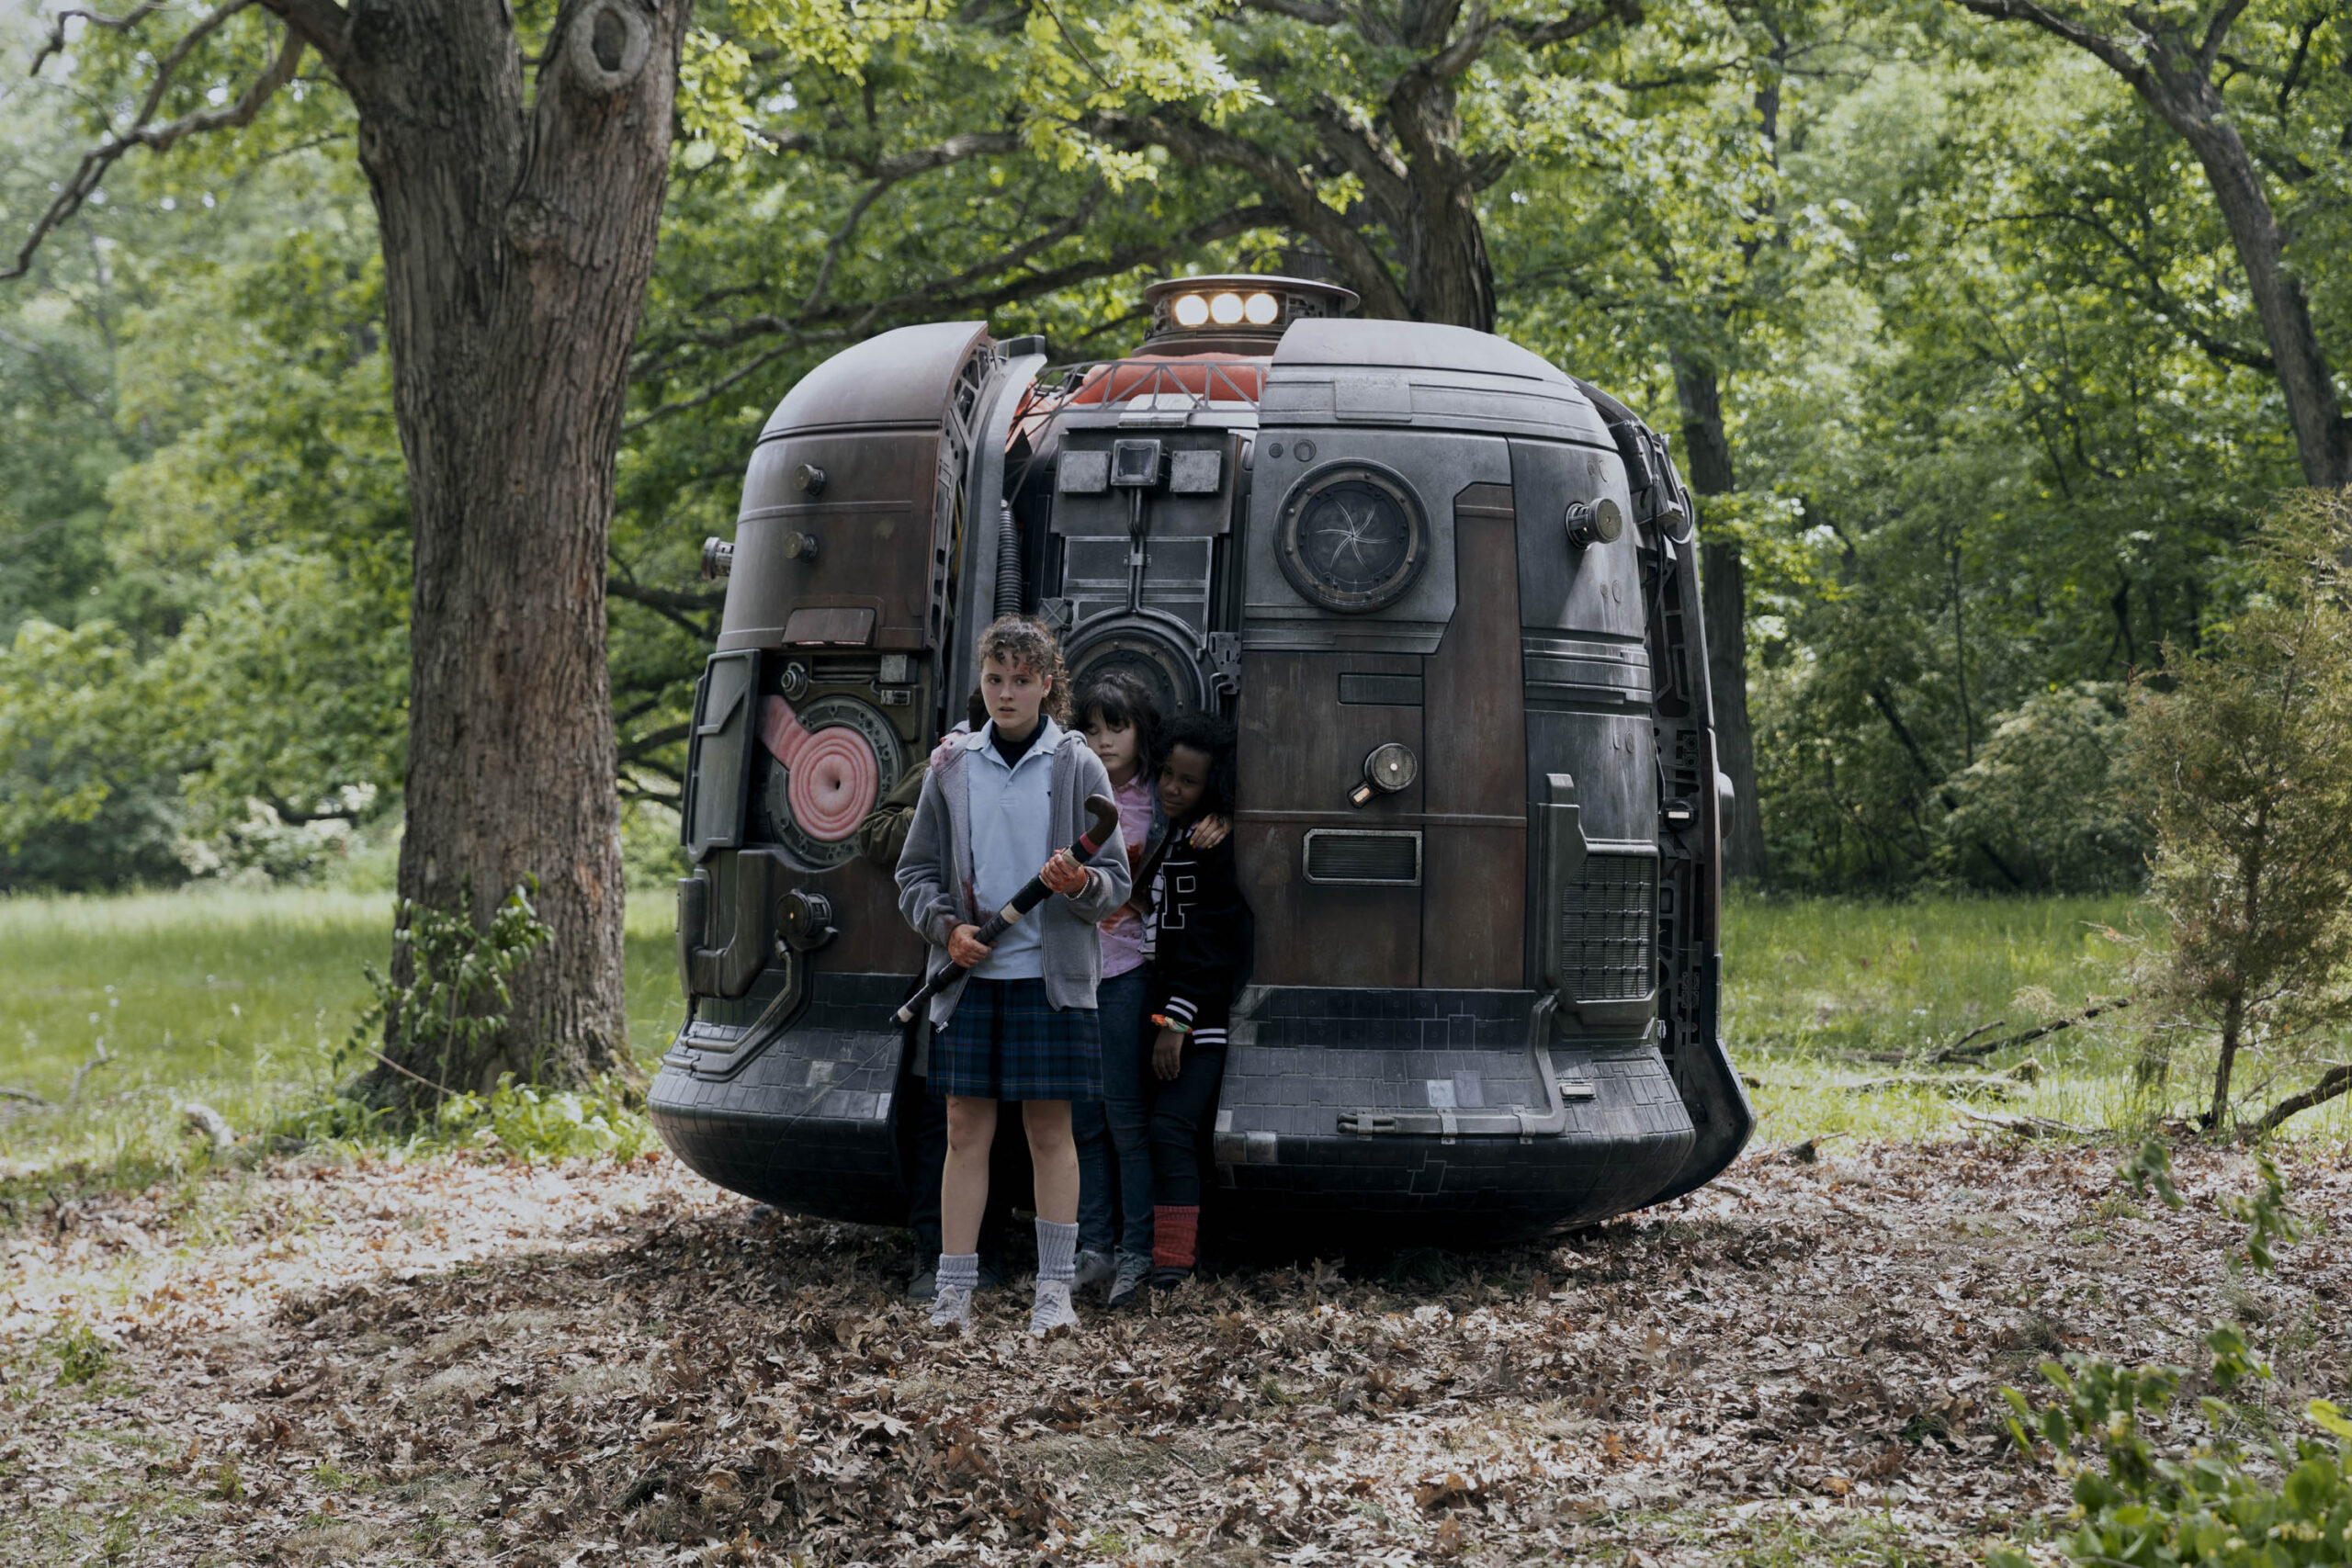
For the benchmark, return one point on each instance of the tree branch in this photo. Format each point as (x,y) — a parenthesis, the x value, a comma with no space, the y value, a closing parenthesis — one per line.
(637,751)
(55,42)
(1540,35)
(2117,56)
(972,290)
(2157,300)
(1313,12)
(2333,1082)
(1195,143)
(2215,31)
(144,132)
(666,598)
(670,604)
(322,24)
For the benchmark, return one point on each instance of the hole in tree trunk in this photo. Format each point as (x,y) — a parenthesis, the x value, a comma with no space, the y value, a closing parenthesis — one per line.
(609,39)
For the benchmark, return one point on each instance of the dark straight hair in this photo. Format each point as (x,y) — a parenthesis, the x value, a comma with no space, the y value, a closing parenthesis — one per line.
(1122,702)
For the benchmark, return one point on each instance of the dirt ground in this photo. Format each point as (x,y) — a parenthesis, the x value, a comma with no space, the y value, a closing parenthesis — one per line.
(455,1362)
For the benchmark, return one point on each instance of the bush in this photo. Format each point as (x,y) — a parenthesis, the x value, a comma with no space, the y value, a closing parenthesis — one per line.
(528,1124)
(456,995)
(2042,803)
(2142,1505)
(2244,755)
(513,1121)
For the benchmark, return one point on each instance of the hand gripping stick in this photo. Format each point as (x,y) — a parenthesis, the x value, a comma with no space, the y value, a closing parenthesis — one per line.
(1105,811)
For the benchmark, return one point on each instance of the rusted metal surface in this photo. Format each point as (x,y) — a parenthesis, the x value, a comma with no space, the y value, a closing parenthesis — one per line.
(1474,898)
(1478,826)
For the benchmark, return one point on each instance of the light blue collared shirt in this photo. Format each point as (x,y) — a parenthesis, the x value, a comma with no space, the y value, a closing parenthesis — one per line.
(1011,836)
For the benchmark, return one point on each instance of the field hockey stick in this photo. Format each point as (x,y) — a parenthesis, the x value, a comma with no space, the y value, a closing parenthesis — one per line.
(1105,814)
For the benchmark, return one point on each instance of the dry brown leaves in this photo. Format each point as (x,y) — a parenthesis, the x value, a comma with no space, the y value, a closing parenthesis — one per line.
(603,1365)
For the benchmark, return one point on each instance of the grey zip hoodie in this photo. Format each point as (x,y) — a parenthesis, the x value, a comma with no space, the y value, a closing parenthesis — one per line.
(936,869)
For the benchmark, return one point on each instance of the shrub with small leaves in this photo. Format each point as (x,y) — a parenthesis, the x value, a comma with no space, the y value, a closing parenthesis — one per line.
(456,996)
(82,1355)
(2135,1501)
(520,1122)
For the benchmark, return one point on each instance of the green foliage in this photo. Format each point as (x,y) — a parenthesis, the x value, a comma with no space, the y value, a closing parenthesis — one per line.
(1995,393)
(522,1122)
(82,1356)
(455,992)
(2244,755)
(2044,799)
(2152,1506)
(513,1121)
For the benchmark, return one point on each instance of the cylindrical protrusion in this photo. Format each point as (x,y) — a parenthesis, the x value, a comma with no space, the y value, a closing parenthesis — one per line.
(808,479)
(1008,562)
(1594,523)
(800,547)
(718,558)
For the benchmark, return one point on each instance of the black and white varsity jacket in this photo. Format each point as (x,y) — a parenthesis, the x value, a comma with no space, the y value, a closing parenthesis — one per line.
(1199,938)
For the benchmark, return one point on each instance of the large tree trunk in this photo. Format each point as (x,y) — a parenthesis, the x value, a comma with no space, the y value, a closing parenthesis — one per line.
(519,233)
(2192,106)
(2173,73)
(1723,606)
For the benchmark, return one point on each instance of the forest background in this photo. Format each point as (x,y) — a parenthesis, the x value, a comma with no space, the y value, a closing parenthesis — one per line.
(1990,402)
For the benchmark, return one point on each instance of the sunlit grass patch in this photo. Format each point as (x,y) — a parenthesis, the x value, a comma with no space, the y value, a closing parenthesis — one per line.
(237,998)
(1818,993)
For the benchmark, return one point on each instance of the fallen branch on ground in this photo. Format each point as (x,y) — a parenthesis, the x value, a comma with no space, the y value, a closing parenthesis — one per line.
(2333,1082)
(27,1095)
(1959,1048)
(2022,1125)
(1959,1053)
(99,1058)
(1994,1086)
(420,1078)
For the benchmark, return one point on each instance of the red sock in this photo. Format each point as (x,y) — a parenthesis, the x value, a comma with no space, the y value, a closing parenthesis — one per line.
(1175,1234)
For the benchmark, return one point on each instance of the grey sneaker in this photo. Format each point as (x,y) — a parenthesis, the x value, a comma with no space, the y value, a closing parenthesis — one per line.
(1134,1273)
(923,1286)
(952,1308)
(1093,1269)
(1053,1309)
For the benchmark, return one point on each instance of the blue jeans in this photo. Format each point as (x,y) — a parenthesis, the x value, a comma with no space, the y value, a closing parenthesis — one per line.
(1113,1134)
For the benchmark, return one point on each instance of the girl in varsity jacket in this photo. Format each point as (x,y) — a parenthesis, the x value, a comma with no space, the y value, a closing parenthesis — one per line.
(1200,936)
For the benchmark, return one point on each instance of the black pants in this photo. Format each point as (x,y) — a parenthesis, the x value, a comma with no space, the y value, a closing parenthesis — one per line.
(930,1166)
(1177,1108)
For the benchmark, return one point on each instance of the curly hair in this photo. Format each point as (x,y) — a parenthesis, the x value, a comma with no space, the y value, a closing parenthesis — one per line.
(1212,737)
(1019,643)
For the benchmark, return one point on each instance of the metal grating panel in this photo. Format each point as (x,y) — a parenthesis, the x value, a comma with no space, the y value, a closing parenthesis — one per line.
(1608,924)
(1381,691)
(1363,859)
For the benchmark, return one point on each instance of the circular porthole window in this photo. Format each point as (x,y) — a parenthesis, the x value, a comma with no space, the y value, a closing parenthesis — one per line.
(1352,538)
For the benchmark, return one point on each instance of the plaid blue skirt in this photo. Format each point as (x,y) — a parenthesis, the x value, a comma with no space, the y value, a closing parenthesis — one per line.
(1006,1041)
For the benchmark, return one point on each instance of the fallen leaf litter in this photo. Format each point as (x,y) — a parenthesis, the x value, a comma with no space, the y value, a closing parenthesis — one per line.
(457,1362)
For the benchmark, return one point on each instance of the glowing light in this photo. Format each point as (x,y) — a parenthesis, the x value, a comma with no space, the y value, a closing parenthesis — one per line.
(1192,310)
(1225,309)
(1261,309)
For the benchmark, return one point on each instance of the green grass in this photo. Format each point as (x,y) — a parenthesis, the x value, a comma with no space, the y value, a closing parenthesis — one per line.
(237,999)
(240,998)
(1811,985)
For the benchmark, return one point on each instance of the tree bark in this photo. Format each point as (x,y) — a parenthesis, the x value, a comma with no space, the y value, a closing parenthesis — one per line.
(518,230)
(2193,106)
(2232,1032)
(2174,74)
(1723,601)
